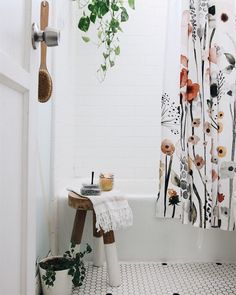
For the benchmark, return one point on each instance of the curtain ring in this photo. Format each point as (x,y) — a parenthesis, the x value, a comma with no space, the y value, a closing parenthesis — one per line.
(44,3)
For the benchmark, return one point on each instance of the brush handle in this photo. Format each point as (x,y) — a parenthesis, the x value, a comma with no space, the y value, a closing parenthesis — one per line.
(43,24)
(92,178)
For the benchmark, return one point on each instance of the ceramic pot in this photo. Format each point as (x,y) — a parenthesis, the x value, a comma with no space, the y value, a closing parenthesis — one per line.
(62,284)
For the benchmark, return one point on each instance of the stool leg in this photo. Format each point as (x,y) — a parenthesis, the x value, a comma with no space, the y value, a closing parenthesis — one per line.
(97,245)
(112,259)
(78,228)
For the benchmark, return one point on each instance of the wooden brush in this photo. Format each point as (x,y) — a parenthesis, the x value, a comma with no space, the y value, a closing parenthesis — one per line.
(45,80)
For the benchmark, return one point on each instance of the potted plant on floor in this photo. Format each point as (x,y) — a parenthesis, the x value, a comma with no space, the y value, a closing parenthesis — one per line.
(60,273)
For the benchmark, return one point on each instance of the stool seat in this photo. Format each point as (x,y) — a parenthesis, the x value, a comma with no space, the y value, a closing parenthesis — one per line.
(79,203)
(82,205)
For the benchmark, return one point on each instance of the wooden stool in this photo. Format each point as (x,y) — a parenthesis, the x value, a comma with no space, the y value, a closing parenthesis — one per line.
(82,205)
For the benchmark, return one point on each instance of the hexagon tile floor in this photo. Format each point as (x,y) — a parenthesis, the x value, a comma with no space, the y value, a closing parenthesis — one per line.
(159,279)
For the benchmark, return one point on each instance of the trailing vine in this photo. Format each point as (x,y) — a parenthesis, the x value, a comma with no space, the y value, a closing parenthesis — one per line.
(108,16)
(72,261)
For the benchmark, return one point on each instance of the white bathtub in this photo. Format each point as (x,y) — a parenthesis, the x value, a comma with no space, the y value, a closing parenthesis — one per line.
(152,239)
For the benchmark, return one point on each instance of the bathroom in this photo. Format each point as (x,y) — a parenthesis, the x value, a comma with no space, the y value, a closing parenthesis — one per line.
(108,124)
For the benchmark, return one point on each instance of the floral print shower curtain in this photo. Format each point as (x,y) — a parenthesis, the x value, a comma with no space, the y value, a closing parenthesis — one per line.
(198,148)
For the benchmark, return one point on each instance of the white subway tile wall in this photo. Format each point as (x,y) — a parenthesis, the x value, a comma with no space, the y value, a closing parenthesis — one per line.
(117,122)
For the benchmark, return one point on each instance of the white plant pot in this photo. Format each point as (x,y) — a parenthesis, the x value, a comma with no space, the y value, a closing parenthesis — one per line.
(37,284)
(62,284)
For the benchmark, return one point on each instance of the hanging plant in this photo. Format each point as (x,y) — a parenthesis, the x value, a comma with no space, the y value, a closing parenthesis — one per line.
(107,16)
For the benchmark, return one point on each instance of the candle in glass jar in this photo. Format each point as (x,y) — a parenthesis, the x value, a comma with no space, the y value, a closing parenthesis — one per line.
(106,181)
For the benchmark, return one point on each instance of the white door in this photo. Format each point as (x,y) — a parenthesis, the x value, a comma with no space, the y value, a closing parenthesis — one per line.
(18,103)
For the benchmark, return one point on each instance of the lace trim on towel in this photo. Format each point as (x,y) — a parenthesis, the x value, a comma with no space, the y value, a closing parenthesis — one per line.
(114,219)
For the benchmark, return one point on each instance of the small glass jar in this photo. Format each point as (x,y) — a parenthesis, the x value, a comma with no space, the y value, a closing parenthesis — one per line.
(106,181)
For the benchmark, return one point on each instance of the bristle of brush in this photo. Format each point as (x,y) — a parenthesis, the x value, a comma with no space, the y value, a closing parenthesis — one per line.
(45,86)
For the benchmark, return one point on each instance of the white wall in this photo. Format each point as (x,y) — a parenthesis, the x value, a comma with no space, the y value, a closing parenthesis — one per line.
(64,61)
(110,126)
(117,122)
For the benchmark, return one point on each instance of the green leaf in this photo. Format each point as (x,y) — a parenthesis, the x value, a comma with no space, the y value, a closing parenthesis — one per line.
(99,34)
(114,25)
(124,15)
(112,63)
(114,7)
(103,67)
(71,272)
(131,4)
(117,50)
(84,23)
(86,39)
(230,58)
(91,7)
(105,55)
(93,17)
(102,8)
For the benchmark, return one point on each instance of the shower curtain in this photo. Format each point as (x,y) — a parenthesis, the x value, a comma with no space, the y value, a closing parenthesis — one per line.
(198,156)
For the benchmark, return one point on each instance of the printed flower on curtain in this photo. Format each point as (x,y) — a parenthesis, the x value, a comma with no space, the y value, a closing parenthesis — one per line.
(186,22)
(184,61)
(220,115)
(173,200)
(213,55)
(228,170)
(222,151)
(207,128)
(170,114)
(220,127)
(214,175)
(193,139)
(221,197)
(199,162)
(167,147)
(196,122)
(192,91)
(183,77)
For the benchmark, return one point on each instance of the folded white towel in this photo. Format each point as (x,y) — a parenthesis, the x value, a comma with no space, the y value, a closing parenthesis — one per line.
(112,210)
